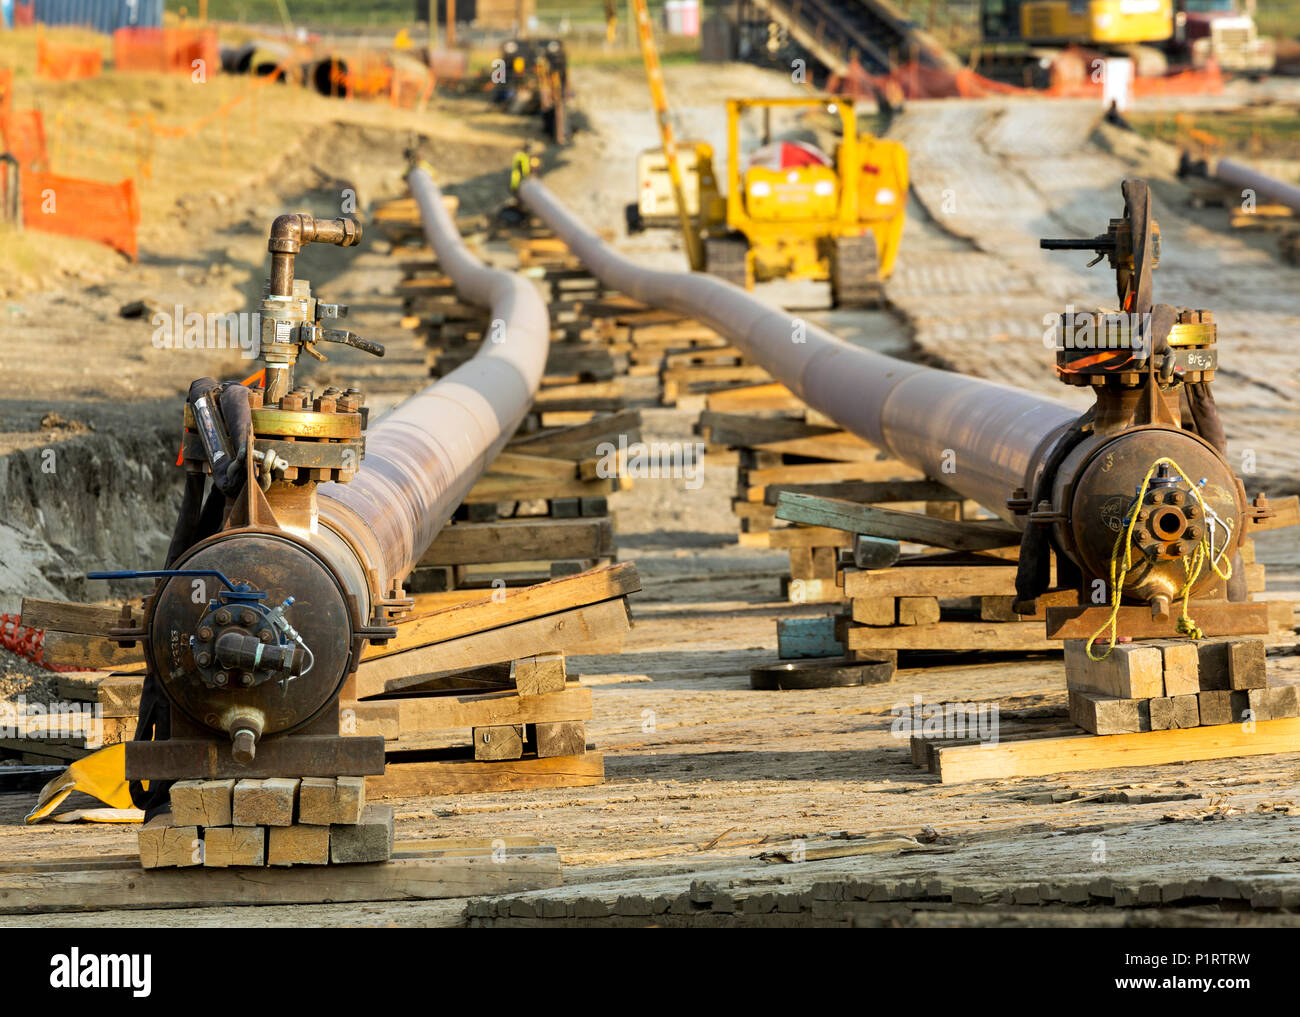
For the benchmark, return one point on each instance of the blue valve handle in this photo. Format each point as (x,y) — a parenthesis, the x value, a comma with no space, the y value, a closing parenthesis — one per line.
(242,589)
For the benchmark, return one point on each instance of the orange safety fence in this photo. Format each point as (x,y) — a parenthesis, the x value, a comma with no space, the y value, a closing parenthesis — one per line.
(1073,78)
(108,213)
(6,94)
(370,76)
(66,63)
(24,138)
(165,50)
(28,643)
(915,80)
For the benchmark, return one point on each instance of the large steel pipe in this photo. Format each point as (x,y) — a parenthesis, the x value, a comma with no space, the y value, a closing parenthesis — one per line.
(423,457)
(983,439)
(1243,178)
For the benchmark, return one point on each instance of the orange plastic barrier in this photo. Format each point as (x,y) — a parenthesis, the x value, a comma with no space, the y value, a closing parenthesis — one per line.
(916,81)
(66,63)
(24,138)
(108,213)
(164,50)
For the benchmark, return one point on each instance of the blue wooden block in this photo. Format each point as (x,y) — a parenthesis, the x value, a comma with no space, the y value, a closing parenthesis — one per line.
(807,637)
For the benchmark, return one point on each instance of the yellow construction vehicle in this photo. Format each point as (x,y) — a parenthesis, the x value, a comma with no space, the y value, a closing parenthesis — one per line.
(655,205)
(1135,28)
(793,211)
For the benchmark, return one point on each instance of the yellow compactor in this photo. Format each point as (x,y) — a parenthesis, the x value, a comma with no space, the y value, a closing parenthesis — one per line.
(833,216)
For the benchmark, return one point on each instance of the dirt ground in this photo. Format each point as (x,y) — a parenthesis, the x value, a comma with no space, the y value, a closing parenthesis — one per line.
(704,774)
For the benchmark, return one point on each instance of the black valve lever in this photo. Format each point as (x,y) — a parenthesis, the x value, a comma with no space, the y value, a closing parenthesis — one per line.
(315,334)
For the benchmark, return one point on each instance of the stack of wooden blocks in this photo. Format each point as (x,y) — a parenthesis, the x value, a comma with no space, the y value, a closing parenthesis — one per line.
(274,821)
(1163,684)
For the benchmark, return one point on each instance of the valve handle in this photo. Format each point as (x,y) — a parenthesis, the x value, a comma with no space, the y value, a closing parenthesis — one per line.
(242,589)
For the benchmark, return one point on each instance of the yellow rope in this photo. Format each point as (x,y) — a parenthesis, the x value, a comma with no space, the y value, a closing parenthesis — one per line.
(1192,565)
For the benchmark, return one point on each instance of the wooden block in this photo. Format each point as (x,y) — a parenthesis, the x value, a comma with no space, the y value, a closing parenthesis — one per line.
(943,581)
(1107,715)
(202,803)
(1129,671)
(1277,703)
(1222,706)
(1170,712)
(1246,664)
(544,672)
(562,738)
(798,638)
(918,610)
(266,802)
(1182,667)
(1212,664)
(875,610)
(163,845)
(227,846)
(298,845)
(368,840)
(323,801)
(503,741)
(874,552)
(956,635)
(1214,619)
(801,563)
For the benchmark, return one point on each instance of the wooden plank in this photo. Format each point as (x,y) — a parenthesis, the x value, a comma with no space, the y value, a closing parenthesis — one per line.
(112,886)
(539,673)
(491,709)
(945,581)
(868,492)
(1287,513)
(494,488)
(506,607)
(1215,618)
(742,431)
(837,446)
(521,539)
(409,777)
(1073,754)
(879,522)
(560,738)
(580,440)
(606,621)
(520,464)
(802,473)
(1022,636)
(77,649)
(67,616)
(809,536)
(774,396)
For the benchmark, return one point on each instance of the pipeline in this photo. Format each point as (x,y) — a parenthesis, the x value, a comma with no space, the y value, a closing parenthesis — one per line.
(1080,481)
(921,415)
(304,572)
(1243,178)
(424,456)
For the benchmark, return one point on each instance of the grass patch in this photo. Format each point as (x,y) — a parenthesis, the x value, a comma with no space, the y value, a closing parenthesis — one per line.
(1266,132)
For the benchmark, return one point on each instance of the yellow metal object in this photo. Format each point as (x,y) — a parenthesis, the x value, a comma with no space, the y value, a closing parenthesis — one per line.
(792,219)
(1096,22)
(101,775)
(655,78)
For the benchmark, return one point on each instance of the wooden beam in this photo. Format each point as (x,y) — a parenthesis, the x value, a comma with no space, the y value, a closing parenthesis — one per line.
(521,539)
(1215,618)
(67,616)
(118,883)
(420,714)
(603,622)
(947,581)
(801,473)
(77,649)
(878,522)
(1019,636)
(408,776)
(868,492)
(1071,754)
(506,607)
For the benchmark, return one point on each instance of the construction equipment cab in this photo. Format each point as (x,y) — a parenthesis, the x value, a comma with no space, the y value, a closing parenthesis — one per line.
(794,210)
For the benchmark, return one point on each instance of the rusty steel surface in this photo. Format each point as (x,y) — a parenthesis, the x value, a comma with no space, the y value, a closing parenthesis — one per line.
(424,456)
(981,438)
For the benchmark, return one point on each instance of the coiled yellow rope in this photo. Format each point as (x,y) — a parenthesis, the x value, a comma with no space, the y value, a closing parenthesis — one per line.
(1192,563)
